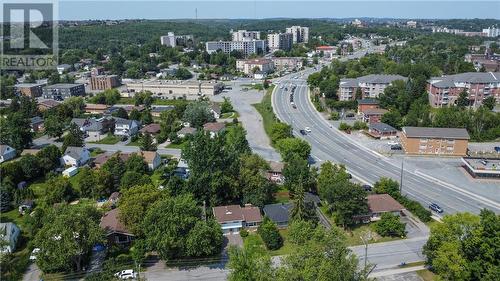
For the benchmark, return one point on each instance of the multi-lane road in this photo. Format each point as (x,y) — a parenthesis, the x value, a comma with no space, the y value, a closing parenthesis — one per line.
(329,144)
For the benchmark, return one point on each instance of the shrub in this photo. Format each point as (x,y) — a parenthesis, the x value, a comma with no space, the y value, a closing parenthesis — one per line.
(390,225)
(360,125)
(334,115)
(243,233)
(344,126)
(269,233)
(300,231)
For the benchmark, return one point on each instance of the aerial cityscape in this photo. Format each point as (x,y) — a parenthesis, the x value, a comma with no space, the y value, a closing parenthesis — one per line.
(250,140)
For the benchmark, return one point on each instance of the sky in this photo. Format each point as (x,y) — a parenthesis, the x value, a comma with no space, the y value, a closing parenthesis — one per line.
(259,9)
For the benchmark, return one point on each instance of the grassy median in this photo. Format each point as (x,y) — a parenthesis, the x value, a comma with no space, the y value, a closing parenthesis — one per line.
(265,109)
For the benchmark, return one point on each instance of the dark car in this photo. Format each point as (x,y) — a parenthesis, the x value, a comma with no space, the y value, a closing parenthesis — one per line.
(349,176)
(302,132)
(396,147)
(497,149)
(435,207)
(124,138)
(367,187)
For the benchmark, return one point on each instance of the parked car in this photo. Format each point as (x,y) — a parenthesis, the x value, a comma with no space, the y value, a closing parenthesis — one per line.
(392,142)
(34,253)
(126,274)
(307,129)
(396,147)
(435,207)
(302,132)
(367,187)
(349,176)
(497,149)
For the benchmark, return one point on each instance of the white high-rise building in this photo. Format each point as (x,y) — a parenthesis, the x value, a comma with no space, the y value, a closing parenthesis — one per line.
(279,41)
(172,40)
(300,34)
(492,31)
(243,35)
(246,47)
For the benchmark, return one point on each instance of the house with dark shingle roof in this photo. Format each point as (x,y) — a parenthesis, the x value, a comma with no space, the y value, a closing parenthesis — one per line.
(116,231)
(75,156)
(6,153)
(233,218)
(379,204)
(279,213)
(214,128)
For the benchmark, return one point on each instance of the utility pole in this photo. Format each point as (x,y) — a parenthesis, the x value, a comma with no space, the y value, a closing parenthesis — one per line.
(401,179)
(205,210)
(366,237)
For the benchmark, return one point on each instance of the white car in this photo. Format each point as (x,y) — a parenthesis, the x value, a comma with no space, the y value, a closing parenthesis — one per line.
(392,143)
(126,274)
(281,87)
(33,254)
(307,129)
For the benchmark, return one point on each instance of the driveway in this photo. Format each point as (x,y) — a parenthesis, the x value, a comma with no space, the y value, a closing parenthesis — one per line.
(33,273)
(251,119)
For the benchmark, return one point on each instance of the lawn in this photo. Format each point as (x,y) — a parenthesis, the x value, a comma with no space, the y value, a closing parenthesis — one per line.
(254,239)
(427,275)
(265,109)
(177,145)
(109,139)
(254,86)
(96,151)
(228,115)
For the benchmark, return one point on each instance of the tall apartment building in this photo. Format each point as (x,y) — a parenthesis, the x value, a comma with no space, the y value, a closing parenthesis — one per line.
(31,90)
(280,41)
(247,66)
(244,35)
(172,40)
(63,91)
(434,141)
(444,91)
(247,47)
(371,85)
(104,82)
(411,24)
(491,31)
(300,34)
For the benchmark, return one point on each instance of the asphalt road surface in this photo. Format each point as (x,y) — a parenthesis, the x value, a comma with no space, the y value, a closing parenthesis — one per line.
(328,143)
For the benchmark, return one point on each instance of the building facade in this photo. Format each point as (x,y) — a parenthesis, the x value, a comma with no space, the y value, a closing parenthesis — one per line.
(244,35)
(32,90)
(300,34)
(371,86)
(246,47)
(172,40)
(63,91)
(248,66)
(287,63)
(165,89)
(434,141)
(444,91)
(280,41)
(104,82)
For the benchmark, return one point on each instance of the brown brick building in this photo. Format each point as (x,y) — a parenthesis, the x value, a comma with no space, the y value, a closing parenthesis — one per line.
(32,90)
(104,82)
(434,141)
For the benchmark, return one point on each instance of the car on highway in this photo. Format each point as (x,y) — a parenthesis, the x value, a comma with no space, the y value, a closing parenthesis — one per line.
(292,103)
(307,129)
(435,207)
(497,149)
(367,187)
(281,87)
(126,274)
(294,106)
(302,132)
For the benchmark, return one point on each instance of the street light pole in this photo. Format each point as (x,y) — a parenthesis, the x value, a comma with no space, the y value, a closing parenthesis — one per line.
(365,238)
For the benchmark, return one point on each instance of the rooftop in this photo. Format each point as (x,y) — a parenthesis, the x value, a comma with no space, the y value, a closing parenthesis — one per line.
(214,127)
(62,86)
(374,111)
(231,213)
(110,222)
(368,101)
(381,203)
(444,133)
(279,212)
(382,127)
(467,77)
(484,164)
(152,128)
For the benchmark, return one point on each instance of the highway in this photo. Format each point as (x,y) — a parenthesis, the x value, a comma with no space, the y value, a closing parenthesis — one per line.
(330,144)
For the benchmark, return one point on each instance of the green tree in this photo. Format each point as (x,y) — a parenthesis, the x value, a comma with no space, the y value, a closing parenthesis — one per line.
(135,115)
(393,118)
(489,102)
(226,106)
(250,263)
(387,185)
(115,167)
(31,166)
(15,131)
(255,188)
(293,146)
(120,113)
(269,233)
(173,228)
(60,190)
(301,209)
(280,131)
(236,140)
(74,137)
(390,225)
(146,117)
(146,142)
(299,231)
(134,203)
(86,183)
(54,127)
(463,99)
(66,242)
(136,163)
(76,105)
(198,113)
(131,178)
(298,174)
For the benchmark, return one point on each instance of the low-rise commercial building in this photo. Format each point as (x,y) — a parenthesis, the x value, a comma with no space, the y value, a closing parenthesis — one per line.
(373,115)
(287,63)
(366,104)
(170,89)
(63,91)
(371,85)
(251,65)
(434,141)
(246,47)
(104,82)
(444,91)
(382,131)
(32,90)
(482,167)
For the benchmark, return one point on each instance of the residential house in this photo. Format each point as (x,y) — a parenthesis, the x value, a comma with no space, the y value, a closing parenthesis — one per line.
(126,127)
(157,110)
(275,172)
(182,169)
(185,131)
(75,156)
(116,231)
(153,129)
(44,105)
(216,110)
(6,153)
(9,234)
(36,124)
(434,141)
(95,129)
(93,108)
(152,158)
(234,218)
(373,115)
(279,213)
(382,131)
(214,128)
(101,159)
(379,204)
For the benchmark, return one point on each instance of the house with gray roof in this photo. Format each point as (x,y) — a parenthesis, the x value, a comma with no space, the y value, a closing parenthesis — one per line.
(126,127)
(371,85)
(75,156)
(445,90)
(95,129)
(9,233)
(279,213)
(6,153)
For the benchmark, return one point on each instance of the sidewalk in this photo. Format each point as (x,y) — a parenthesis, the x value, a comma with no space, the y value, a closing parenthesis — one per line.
(396,271)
